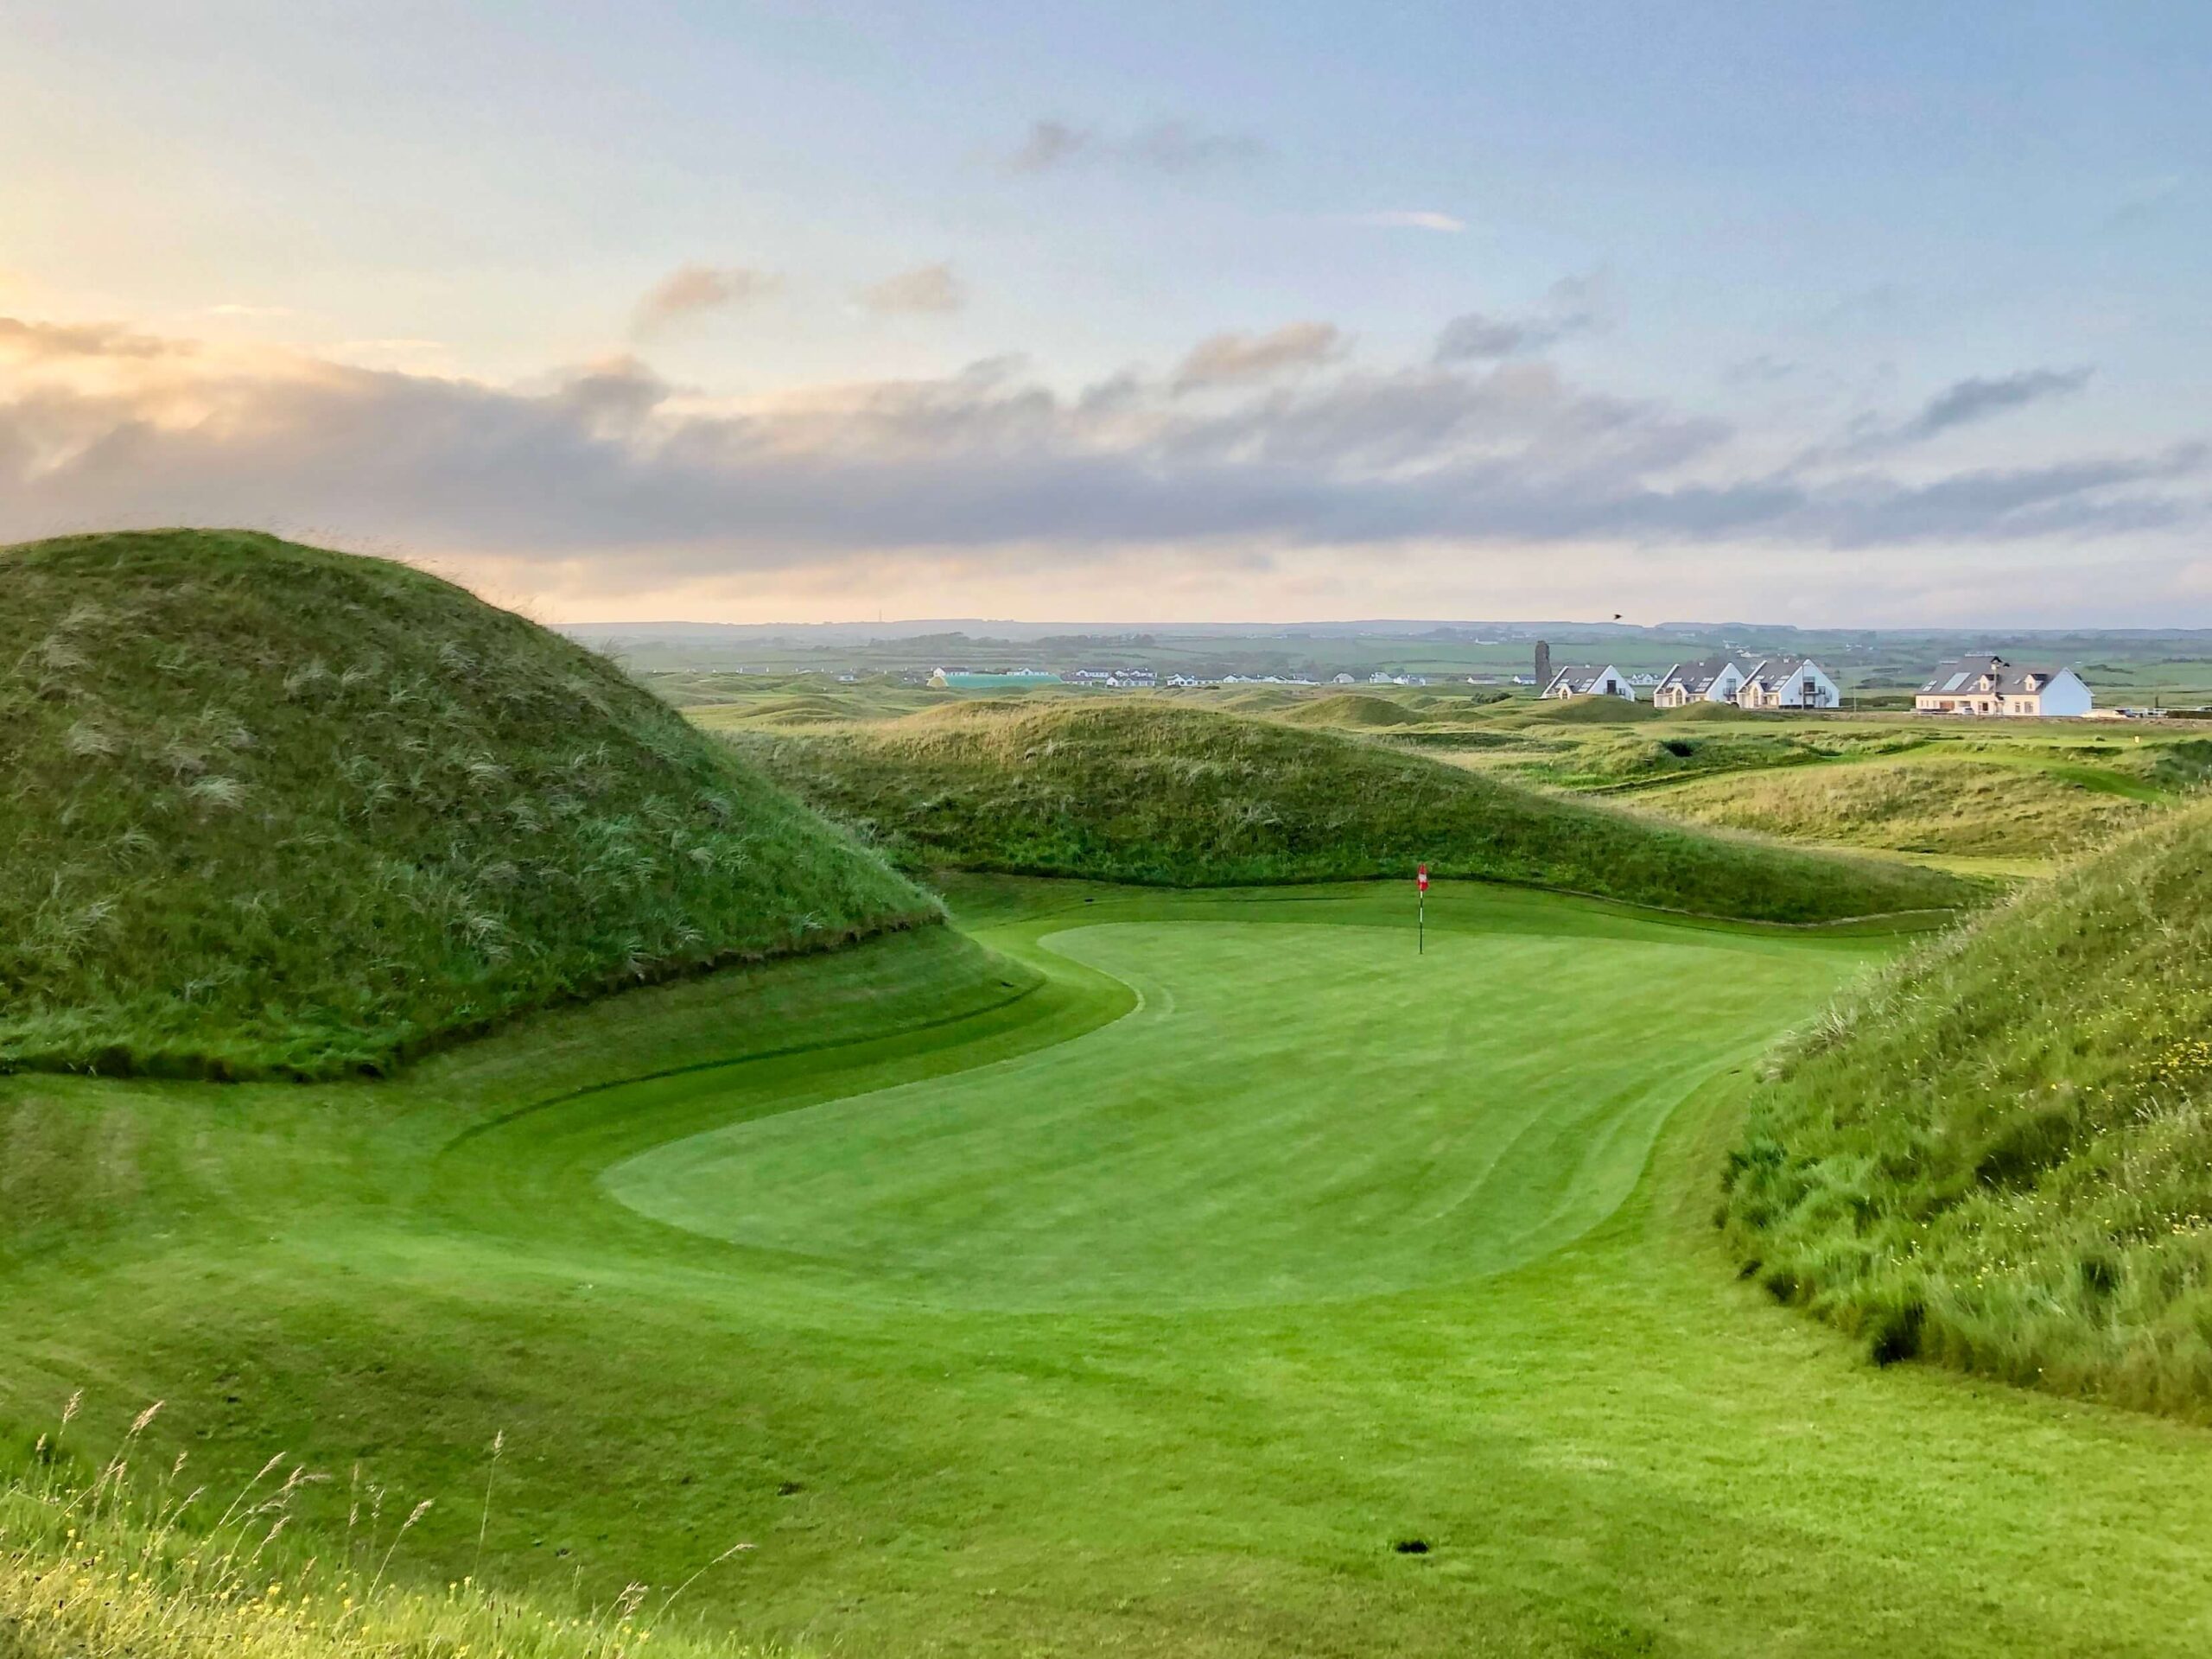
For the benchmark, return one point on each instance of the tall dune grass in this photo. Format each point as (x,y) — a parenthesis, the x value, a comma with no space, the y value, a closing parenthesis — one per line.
(1999,1156)
(130,1559)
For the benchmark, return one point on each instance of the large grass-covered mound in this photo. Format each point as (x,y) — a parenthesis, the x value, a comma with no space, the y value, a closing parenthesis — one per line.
(2000,1155)
(1183,797)
(271,809)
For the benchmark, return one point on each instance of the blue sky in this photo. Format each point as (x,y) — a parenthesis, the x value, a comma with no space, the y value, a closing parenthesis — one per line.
(1820,313)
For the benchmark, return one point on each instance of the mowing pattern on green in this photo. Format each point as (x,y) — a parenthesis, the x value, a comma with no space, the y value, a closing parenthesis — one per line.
(271,809)
(1191,1153)
(2001,1156)
(1182,796)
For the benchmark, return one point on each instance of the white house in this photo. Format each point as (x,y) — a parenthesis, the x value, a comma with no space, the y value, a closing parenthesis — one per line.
(1789,683)
(1987,685)
(1714,679)
(1585,680)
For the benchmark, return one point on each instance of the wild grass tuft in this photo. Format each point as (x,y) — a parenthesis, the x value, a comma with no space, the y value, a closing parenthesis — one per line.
(120,1560)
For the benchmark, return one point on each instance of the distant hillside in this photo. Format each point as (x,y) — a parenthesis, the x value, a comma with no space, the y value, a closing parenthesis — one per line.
(272,809)
(2001,1156)
(1184,797)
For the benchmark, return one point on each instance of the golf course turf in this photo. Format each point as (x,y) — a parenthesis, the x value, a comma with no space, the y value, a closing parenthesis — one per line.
(1134,1271)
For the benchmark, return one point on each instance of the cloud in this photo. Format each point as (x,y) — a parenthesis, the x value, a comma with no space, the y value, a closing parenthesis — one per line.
(693,290)
(1051,144)
(1965,402)
(926,290)
(252,312)
(1228,359)
(604,463)
(35,342)
(1572,305)
(1166,146)
(1412,220)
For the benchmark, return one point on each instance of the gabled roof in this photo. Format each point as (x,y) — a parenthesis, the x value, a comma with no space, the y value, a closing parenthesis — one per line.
(1777,670)
(1962,675)
(1698,677)
(1581,676)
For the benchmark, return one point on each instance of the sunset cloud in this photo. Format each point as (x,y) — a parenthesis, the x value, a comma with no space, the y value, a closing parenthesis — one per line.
(690,291)
(1229,360)
(927,291)
(604,462)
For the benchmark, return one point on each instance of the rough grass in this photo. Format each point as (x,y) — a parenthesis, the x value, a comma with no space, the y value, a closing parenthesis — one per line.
(1187,797)
(1959,807)
(2001,1157)
(269,810)
(115,1560)
(1589,711)
(1354,710)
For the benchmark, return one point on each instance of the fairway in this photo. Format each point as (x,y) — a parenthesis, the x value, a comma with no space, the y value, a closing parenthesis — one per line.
(1288,1113)
(1133,1273)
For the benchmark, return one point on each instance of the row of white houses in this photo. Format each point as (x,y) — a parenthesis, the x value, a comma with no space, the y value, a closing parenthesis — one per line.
(1984,683)
(1768,683)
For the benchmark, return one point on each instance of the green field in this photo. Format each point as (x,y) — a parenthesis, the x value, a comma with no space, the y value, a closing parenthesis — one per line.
(1132,1271)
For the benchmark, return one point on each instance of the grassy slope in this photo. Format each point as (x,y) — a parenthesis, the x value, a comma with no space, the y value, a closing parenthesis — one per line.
(1998,1157)
(274,810)
(1135,792)
(1958,806)
(1610,1448)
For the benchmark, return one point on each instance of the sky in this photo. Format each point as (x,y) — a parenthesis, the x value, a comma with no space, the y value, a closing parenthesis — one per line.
(1823,313)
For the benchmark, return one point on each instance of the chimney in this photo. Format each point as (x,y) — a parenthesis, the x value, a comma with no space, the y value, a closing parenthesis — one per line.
(1543,663)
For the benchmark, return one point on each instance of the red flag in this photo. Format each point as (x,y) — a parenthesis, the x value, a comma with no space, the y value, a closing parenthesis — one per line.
(1422,877)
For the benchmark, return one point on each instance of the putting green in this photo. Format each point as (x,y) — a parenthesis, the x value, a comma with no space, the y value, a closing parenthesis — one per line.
(1289,1113)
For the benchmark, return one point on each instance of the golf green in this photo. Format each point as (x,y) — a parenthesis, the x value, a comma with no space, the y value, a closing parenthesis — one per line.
(1288,1113)
(1137,1272)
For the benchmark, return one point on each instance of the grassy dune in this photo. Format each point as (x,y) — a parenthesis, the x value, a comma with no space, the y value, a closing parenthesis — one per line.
(1998,1157)
(1142,792)
(1957,807)
(272,809)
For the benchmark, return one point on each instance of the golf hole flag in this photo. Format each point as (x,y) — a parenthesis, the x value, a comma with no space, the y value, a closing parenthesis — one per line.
(1420,910)
(1421,878)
